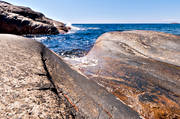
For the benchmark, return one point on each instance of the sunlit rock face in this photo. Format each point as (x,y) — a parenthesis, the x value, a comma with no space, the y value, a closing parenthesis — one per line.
(25,89)
(23,20)
(141,68)
(36,83)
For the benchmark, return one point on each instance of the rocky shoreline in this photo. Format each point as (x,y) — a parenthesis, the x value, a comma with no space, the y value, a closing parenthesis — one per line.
(23,20)
(37,83)
(141,68)
(126,75)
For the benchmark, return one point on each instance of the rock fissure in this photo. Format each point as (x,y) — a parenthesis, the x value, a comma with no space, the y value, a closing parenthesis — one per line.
(38,83)
(48,75)
(69,108)
(40,74)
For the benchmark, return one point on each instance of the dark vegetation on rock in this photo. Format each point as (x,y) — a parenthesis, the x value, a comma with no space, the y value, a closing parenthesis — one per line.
(23,20)
(141,68)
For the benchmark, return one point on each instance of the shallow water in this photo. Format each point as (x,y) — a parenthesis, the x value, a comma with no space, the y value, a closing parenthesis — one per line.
(83,36)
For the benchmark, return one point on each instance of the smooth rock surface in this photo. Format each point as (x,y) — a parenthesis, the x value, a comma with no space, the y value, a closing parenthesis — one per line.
(23,20)
(141,68)
(36,83)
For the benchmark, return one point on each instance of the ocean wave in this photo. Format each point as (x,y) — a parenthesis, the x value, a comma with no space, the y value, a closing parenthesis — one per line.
(74,29)
(40,39)
(81,61)
(93,28)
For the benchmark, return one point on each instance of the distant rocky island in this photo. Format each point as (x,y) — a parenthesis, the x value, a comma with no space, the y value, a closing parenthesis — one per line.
(126,75)
(23,20)
(175,23)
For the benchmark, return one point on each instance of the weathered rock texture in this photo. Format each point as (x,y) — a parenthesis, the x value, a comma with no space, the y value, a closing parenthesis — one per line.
(141,68)
(36,83)
(25,89)
(23,20)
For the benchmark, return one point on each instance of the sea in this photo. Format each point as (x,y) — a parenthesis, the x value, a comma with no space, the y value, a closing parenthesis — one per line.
(79,41)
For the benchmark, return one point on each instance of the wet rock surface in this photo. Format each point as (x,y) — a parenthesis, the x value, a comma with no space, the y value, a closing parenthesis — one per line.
(23,20)
(141,68)
(37,83)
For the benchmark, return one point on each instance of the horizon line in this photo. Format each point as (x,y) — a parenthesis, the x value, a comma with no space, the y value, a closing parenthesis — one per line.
(127,23)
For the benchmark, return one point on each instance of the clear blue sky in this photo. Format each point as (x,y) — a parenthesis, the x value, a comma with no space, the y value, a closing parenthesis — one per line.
(106,11)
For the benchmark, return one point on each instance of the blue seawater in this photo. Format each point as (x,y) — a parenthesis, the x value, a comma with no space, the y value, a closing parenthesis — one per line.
(83,36)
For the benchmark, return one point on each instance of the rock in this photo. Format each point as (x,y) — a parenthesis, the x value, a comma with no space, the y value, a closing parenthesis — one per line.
(141,68)
(36,83)
(25,90)
(23,20)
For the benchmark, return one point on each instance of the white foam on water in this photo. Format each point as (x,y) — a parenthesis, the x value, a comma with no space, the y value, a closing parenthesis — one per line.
(81,61)
(94,28)
(74,29)
(40,38)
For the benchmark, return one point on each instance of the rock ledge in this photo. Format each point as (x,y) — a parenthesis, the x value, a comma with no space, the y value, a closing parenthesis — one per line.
(23,20)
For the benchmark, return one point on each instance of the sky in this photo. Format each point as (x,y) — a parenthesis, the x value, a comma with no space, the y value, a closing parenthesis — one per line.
(106,11)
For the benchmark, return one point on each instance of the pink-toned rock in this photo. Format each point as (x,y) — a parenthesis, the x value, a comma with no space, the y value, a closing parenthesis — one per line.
(141,68)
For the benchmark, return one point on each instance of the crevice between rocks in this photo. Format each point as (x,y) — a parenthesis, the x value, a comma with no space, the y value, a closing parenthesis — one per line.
(69,108)
(53,89)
